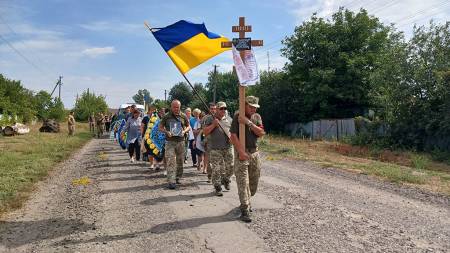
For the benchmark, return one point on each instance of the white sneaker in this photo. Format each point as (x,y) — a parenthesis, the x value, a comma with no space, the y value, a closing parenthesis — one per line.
(165,173)
(132,159)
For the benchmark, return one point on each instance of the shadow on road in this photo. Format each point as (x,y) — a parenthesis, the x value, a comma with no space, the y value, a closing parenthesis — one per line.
(162,228)
(135,189)
(176,198)
(18,233)
(123,179)
(195,222)
(147,188)
(138,170)
(119,165)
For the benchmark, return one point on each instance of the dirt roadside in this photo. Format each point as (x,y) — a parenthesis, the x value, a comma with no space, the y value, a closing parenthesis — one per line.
(299,208)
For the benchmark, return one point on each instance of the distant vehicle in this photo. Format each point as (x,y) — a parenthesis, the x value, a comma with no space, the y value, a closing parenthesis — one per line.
(122,108)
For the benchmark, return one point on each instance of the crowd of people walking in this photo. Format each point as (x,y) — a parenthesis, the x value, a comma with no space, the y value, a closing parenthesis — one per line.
(211,138)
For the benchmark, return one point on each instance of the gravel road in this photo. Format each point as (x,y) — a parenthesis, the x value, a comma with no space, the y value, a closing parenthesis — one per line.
(298,208)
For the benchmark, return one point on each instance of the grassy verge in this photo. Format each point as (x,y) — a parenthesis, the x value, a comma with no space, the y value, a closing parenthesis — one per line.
(26,159)
(398,167)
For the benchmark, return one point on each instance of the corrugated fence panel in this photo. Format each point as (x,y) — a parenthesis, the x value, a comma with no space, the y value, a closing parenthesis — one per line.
(328,129)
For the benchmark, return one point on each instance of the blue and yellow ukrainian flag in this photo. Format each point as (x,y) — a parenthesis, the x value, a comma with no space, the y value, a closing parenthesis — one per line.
(189,44)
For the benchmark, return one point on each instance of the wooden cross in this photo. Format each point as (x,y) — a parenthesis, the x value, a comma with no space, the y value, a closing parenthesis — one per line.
(242,28)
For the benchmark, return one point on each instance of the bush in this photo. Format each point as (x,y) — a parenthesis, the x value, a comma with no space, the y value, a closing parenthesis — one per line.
(420,162)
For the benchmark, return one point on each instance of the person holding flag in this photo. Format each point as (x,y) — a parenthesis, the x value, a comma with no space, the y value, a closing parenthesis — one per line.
(187,45)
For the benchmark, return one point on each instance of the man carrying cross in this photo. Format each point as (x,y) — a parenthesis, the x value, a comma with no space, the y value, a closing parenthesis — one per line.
(245,129)
(247,164)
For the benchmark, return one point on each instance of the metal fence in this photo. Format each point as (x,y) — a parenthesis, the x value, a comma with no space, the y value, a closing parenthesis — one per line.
(327,129)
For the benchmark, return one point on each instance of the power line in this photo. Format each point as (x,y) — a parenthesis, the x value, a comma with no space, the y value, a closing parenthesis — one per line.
(3,21)
(387,5)
(279,40)
(23,56)
(417,14)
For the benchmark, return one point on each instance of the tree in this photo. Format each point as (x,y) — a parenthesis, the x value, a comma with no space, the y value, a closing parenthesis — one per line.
(141,96)
(43,102)
(15,101)
(182,92)
(56,110)
(413,88)
(159,103)
(196,102)
(277,100)
(89,103)
(330,63)
(227,89)
(48,108)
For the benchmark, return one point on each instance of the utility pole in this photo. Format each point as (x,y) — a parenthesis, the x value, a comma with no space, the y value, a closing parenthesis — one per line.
(165,96)
(268,61)
(58,83)
(215,83)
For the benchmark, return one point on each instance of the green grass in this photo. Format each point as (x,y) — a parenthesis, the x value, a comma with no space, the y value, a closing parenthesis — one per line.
(399,167)
(27,159)
(420,162)
(392,172)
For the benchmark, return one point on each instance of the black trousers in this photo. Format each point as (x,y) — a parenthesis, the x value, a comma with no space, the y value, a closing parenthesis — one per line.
(135,147)
(193,152)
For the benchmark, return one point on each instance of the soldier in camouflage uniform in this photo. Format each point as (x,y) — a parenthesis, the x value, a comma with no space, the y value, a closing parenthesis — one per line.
(220,149)
(100,120)
(210,116)
(175,125)
(247,164)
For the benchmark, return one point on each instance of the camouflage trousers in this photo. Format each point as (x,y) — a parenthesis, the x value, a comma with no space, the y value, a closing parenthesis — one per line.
(100,129)
(207,161)
(247,178)
(71,129)
(221,161)
(174,152)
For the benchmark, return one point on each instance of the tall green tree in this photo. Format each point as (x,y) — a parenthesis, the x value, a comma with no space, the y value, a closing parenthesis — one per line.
(159,103)
(196,101)
(89,103)
(330,62)
(226,86)
(413,88)
(182,92)
(141,96)
(48,108)
(276,99)
(16,101)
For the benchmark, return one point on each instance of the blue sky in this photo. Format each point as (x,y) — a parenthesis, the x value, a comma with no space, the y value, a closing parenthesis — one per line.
(103,45)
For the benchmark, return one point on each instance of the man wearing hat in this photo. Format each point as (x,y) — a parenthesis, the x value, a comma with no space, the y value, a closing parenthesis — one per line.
(220,149)
(247,165)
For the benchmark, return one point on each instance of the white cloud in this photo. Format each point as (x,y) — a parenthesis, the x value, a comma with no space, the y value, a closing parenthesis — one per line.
(115,27)
(98,51)
(403,13)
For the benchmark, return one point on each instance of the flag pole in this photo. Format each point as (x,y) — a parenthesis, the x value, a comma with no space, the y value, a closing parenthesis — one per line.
(185,78)
(192,87)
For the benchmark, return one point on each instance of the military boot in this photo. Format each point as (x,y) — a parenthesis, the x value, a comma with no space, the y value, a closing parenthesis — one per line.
(226,184)
(245,216)
(218,190)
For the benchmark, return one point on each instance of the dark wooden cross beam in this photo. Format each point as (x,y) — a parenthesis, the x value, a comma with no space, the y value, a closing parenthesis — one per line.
(242,28)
